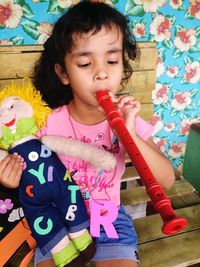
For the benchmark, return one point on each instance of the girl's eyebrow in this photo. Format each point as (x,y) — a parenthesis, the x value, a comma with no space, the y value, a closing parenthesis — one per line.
(81,54)
(88,53)
(114,50)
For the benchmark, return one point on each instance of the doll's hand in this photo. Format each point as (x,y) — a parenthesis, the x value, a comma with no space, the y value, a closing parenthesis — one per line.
(11,168)
(128,107)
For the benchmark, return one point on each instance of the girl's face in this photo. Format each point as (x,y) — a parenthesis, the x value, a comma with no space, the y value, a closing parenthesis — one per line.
(94,63)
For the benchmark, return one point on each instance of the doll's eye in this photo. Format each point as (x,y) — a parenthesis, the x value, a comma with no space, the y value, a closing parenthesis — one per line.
(12,105)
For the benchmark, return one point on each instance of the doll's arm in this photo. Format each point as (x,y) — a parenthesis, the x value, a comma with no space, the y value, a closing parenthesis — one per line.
(99,158)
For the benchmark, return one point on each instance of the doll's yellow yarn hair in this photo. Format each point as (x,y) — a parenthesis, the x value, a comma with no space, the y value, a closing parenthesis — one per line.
(26,91)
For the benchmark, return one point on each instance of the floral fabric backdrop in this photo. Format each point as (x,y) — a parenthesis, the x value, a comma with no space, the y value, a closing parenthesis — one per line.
(173,24)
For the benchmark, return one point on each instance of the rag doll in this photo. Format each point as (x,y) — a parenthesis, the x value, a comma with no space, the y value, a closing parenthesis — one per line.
(51,200)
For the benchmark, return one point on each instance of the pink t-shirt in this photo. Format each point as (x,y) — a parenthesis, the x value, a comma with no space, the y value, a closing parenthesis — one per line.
(95,184)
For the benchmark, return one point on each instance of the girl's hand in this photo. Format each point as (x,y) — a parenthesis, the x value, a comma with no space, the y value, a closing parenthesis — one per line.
(128,107)
(11,168)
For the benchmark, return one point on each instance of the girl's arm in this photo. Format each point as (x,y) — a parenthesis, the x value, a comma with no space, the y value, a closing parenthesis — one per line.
(159,165)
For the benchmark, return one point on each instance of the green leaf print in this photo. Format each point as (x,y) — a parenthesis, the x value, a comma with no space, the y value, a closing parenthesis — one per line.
(188,59)
(134,10)
(20,2)
(151,38)
(177,28)
(30,27)
(114,1)
(188,15)
(171,18)
(17,40)
(197,29)
(54,8)
(195,48)
(177,53)
(167,44)
(27,11)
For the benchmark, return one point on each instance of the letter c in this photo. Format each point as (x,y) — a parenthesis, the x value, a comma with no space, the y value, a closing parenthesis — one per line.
(42,231)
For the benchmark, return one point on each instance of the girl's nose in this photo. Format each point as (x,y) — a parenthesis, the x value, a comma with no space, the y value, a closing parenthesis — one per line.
(101,74)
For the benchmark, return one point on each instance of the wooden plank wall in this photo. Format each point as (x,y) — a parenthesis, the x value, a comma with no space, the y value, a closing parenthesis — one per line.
(18,61)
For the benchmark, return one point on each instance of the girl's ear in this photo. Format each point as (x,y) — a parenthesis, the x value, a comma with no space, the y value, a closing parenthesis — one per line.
(61,74)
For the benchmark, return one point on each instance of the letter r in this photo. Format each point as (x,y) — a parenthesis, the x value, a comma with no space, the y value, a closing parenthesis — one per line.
(106,220)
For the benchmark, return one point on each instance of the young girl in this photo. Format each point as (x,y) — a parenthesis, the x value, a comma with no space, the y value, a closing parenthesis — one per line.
(87,52)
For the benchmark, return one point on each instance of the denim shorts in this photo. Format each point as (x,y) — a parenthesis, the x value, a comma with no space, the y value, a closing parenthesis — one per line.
(123,247)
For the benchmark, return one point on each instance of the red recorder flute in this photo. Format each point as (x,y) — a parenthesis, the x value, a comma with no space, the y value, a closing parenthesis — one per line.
(172,223)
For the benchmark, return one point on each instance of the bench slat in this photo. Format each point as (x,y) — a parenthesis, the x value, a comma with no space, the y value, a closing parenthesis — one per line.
(149,228)
(175,251)
(180,191)
(130,174)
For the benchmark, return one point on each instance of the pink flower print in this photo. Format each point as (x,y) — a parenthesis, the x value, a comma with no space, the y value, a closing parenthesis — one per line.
(160,94)
(5,205)
(185,125)
(159,59)
(192,72)
(177,150)
(164,26)
(181,100)
(155,119)
(160,143)
(150,5)
(175,4)
(6,42)
(194,9)
(185,39)
(139,30)
(157,123)
(160,67)
(169,127)
(160,28)
(45,30)
(5,12)
(10,13)
(172,71)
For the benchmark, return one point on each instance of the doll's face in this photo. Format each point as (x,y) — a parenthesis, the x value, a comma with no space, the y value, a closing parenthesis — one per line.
(12,109)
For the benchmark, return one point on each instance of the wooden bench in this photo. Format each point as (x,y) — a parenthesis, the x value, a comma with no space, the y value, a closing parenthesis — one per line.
(155,248)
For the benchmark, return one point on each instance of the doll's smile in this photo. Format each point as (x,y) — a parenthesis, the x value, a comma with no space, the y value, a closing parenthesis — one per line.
(10,123)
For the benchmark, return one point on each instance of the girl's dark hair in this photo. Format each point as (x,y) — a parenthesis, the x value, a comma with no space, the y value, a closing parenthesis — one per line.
(81,18)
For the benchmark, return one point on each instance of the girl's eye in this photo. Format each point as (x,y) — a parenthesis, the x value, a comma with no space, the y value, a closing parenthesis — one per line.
(12,106)
(112,62)
(84,65)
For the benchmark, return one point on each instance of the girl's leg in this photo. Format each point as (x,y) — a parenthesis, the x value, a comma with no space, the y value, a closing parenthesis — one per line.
(45,263)
(115,263)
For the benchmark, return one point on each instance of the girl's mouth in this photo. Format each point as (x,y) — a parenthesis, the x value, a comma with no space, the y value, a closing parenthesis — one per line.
(10,123)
